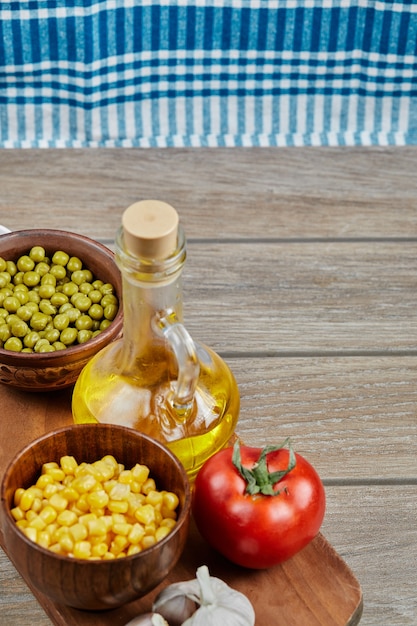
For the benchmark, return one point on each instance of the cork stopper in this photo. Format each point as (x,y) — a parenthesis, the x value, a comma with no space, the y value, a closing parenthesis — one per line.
(150,229)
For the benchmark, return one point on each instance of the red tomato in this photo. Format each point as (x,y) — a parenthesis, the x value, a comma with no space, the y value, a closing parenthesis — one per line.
(258,531)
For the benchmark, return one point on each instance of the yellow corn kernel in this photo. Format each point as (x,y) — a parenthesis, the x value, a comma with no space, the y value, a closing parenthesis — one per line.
(44,539)
(30,515)
(31,533)
(170,500)
(98,499)
(109,458)
(48,514)
(58,502)
(158,517)
(150,529)
(96,527)
(70,493)
(37,522)
(119,492)
(66,542)
(51,530)
(50,489)
(43,480)
(118,544)
(68,464)
(17,495)
(154,498)
(100,539)
(61,531)
(106,470)
(134,549)
(168,522)
(67,518)
(135,486)
(85,519)
(148,541)
(108,556)
(37,505)
(168,513)
(55,547)
(84,483)
(118,506)
(49,466)
(140,472)
(56,473)
(78,531)
(82,549)
(122,529)
(22,523)
(126,477)
(26,500)
(17,513)
(162,532)
(135,500)
(99,550)
(148,485)
(82,503)
(136,533)
(145,514)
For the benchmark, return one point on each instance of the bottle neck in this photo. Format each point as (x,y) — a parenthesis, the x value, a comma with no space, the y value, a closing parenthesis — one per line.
(152,289)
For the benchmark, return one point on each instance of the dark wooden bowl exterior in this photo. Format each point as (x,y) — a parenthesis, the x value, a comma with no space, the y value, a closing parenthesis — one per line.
(95,585)
(56,370)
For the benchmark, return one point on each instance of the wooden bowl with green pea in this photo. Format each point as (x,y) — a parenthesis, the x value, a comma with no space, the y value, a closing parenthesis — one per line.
(67,484)
(60,303)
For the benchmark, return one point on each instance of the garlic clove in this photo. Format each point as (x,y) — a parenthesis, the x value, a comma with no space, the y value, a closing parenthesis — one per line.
(148,619)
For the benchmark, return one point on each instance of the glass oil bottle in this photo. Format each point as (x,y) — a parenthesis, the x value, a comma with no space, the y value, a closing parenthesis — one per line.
(156,378)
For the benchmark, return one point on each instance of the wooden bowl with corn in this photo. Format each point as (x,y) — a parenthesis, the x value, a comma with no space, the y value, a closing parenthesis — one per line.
(95,515)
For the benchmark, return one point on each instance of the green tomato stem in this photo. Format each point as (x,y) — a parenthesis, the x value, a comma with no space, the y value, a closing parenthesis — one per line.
(259,479)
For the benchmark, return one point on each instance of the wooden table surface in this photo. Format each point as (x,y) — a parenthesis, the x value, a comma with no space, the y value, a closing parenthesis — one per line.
(302,274)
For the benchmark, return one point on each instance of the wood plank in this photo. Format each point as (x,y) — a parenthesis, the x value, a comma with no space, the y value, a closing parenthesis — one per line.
(268,193)
(298,298)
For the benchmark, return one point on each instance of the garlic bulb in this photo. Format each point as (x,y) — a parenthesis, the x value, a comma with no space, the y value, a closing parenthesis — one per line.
(217,602)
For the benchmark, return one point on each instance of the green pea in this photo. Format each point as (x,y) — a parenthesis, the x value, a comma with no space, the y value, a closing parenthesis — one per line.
(42,343)
(19,328)
(82,302)
(69,289)
(69,335)
(104,324)
(73,314)
(48,279)
(31,338)
(74,264)
(37,253)
(5,332)
(52,335)
(46,307)
(27,350)
(84,335)
(109,298)
(34,297)
(39,320)
(5,279)
(86,288)
(95,296)
(25,263)
(88,276)
(11,304)
(60,258)
(46,291)
(84,322)
(22,296)
(11,268)
(3,264)
(42,268)
(110,312)
(106,288)
(18,278)
(58,271)
(78,277)
(14,344)
(31,278)
(58,345)
(58,299)
(61,321)
(96,312)
(24,312)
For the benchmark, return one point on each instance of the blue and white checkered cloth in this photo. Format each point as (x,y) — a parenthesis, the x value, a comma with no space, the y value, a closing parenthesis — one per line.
(146,73)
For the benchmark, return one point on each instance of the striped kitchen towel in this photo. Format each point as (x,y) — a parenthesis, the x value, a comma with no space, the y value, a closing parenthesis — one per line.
(85,73)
